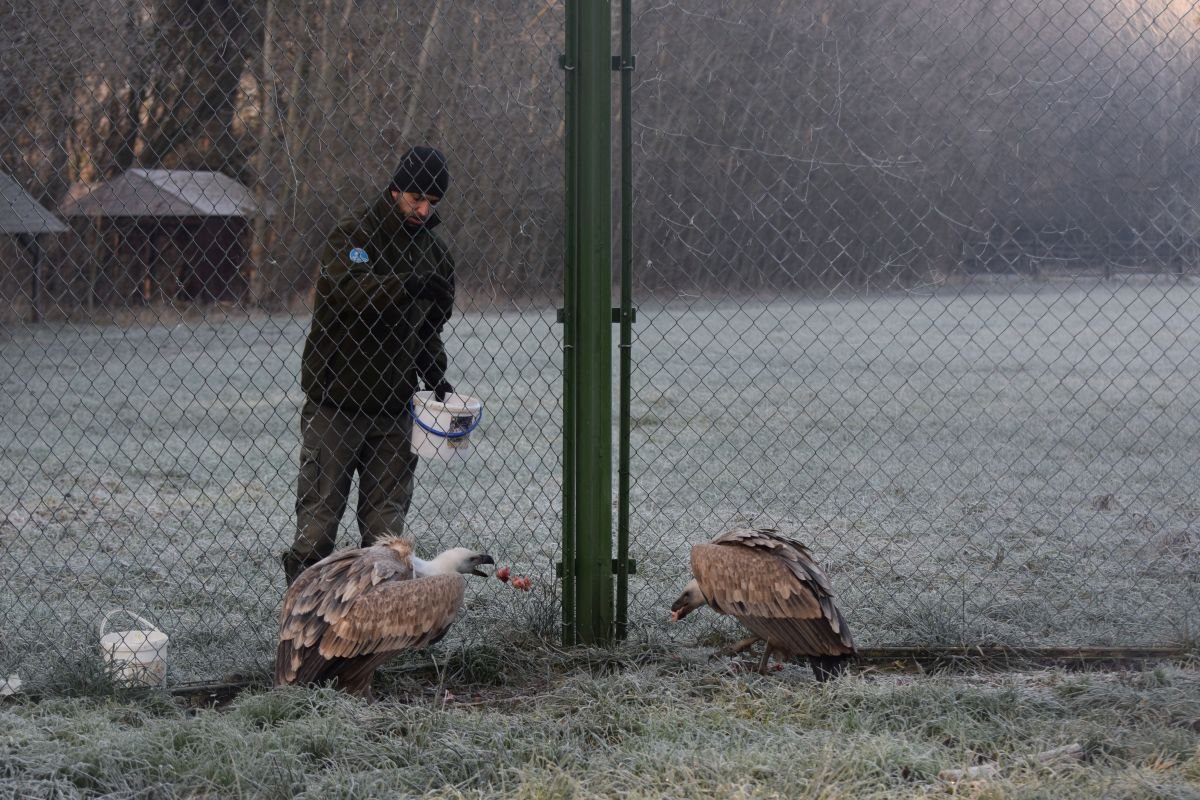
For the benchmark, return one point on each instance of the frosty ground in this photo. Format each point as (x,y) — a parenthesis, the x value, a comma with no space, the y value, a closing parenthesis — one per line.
(1008,463)
(513,718)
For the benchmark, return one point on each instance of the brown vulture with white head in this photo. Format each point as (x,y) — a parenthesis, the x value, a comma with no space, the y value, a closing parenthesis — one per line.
(349,613)
(771,584)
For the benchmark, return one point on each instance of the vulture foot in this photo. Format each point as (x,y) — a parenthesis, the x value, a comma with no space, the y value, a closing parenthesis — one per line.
(827,668)
(740,646)
(765,662)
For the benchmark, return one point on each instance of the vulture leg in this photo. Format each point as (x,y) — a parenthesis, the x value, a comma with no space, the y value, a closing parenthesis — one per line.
(827,667)
(740,646)
(292,567)
(765,663)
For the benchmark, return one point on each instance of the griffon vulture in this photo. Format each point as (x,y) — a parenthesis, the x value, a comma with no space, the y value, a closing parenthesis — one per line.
(771,584)
(349,613)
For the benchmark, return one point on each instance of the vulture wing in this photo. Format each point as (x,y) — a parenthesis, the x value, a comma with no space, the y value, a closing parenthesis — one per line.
(399,615)
(772,586)
(348,614)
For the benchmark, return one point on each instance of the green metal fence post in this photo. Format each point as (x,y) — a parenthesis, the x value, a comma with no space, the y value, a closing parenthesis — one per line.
(625,63)
(570,292)
(588,332)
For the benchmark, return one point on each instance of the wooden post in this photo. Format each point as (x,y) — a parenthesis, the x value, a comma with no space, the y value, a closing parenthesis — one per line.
(32,246)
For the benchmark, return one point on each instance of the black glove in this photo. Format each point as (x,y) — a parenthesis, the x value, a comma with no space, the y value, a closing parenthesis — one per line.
(441,389)
(433,286)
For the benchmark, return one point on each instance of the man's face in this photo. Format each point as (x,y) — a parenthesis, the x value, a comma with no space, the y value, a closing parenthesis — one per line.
(415,207)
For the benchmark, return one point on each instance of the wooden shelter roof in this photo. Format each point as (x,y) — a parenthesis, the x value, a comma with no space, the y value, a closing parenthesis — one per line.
(20,213)
(162,193)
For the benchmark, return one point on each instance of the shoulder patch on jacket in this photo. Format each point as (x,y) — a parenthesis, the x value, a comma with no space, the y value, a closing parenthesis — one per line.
(358,255)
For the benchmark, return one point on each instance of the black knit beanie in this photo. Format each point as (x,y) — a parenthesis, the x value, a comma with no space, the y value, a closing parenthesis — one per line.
(422,170)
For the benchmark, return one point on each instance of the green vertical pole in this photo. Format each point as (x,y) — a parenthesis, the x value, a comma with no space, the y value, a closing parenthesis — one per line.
(589,313)
(626,346)
(570,300)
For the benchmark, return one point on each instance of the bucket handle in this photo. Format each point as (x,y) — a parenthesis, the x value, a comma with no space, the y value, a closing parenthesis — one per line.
(438,432)
(104,622)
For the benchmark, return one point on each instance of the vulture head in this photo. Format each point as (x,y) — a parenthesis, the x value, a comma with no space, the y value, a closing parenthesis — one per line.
(691,599)
(349,613)
(772,585)
(456,560)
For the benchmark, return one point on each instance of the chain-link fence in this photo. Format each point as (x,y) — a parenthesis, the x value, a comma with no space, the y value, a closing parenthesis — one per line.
(914,282)
(922,292)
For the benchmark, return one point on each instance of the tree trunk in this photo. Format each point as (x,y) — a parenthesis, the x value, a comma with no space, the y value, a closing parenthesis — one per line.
(262,277)
(417,82)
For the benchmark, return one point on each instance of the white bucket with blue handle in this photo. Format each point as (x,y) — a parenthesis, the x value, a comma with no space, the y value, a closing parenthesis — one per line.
(135,657)
(442,428)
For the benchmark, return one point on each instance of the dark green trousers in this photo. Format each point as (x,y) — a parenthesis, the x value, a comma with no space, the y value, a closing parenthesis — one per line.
(334,445)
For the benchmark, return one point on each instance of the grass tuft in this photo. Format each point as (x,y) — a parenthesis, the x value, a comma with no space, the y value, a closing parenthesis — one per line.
(631,721)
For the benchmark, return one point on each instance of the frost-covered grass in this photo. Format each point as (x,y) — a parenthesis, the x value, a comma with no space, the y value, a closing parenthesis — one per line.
(1006,463)
(637,721)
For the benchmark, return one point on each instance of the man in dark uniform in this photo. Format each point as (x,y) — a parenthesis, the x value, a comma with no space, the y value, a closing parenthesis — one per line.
(385,292)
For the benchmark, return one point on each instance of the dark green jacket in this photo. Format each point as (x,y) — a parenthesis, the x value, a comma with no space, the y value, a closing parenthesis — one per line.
(372,340)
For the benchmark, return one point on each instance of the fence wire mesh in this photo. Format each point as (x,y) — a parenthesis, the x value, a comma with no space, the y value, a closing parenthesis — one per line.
(915,283)
(923,293)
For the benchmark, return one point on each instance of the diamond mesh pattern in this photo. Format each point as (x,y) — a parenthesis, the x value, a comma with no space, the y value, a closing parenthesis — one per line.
(915,282)
(198,154)
(918,283)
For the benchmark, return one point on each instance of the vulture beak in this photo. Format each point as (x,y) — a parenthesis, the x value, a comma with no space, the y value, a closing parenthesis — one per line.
(474,562)
(691,599)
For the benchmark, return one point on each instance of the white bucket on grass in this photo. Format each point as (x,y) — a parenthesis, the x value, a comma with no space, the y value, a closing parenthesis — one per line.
(135,656)
(442,428)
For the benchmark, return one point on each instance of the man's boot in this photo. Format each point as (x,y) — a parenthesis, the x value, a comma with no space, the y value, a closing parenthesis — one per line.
(292,567)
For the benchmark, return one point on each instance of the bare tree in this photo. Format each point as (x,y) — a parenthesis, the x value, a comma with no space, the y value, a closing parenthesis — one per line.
(778,147)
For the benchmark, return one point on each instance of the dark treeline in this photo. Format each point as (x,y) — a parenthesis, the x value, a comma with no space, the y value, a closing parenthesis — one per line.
(778,145)
(866,143)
